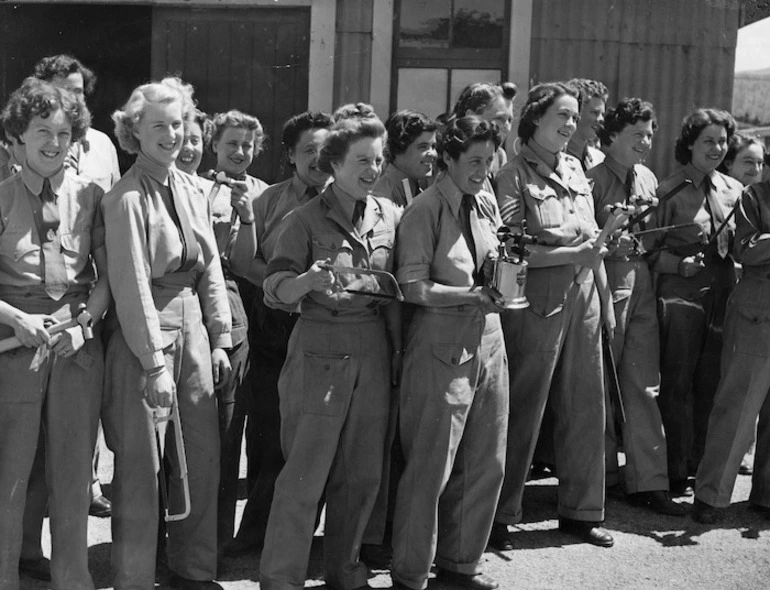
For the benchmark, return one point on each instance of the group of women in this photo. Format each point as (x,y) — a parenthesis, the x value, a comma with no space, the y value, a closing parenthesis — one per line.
(227,298)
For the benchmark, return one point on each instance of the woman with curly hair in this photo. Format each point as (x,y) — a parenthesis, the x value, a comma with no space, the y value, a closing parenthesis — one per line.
(52,262)
(174,324)
(554,346)
(335,385)
(694,282)
(745,158)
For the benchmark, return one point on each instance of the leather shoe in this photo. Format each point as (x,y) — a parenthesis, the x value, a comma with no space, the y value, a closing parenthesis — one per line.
(764,510)
(239,547)
(399,586)
(39,569)
(704,513)
(746,468)
(376,557)
(473,581)
(588,531)
(681,488)
(100,507)
(500,538)
(659,501)
(181,583)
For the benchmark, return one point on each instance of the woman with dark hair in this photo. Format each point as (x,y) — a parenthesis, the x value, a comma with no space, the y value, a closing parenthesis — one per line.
(197,135)
(745,158)
(491,102)
(555,344)
(453,403)
(335,385)
(174,326)
(410,153)
(269,329)
(695,277)
(51,248)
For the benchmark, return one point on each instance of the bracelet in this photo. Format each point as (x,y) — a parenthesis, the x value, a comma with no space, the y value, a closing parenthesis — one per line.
(155,372)
(247,222)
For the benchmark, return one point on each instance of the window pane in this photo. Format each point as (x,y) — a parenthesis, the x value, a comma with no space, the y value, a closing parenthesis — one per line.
(461,78)
(422,89)
(478,24)
(425,23)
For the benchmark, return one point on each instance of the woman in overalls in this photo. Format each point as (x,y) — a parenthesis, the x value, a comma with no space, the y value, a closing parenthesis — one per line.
(174,318)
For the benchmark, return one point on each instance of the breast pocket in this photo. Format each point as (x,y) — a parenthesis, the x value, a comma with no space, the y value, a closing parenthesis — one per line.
(334,247)
(17,245)
(76,247)
(327,384)
(546,206)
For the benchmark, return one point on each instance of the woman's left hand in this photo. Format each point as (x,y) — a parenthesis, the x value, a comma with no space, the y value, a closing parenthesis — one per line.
(67,342)
(241,200)
(220,367)
(396,364)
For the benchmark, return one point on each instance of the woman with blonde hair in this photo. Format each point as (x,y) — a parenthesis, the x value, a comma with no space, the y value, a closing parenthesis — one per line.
(174,322)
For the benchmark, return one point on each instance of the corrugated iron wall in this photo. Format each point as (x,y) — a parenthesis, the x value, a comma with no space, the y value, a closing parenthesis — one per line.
(679,54)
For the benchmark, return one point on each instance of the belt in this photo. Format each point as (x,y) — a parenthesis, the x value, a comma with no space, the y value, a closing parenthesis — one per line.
(325,314)
(463,310)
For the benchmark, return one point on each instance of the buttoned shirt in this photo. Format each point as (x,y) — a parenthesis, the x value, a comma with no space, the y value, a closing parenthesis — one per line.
(95,157)
(321,229)
(391,186)
(81,228)
(271,208)
(145,243)
(222,212)
(430,242)
(609,178)
(689,205)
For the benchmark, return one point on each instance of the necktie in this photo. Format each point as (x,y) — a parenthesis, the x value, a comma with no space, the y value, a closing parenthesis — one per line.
(631,186)
(358,215)
(473,233)
(54,268)
(189,242)
(717,216)
(312,191)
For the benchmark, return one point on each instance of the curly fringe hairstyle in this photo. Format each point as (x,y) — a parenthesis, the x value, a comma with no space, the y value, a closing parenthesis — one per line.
(539,100)
(207,127)
(628,111)
(238,120)
(344,133)
(475,97)
(692,126)
(737,143)
(354,110)
(459,133)
(61,66)
(167,91)
(297,125)
(590,89)
(38,98)
(403,128)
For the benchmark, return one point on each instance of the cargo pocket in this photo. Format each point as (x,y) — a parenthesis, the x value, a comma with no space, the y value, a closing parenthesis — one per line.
(455,373)
(327,384)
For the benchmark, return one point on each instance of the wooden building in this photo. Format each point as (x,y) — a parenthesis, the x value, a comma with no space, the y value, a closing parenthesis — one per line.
(274,58)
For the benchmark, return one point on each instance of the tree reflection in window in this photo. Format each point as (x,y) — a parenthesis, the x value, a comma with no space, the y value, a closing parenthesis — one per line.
(474,24)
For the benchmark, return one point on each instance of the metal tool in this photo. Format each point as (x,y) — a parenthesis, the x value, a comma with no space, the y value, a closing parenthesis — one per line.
(173,416)
(379,274)
(82,319)
(510,275)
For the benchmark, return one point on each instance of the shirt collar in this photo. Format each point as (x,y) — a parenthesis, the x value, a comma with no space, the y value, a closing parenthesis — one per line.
(536,154)
(617,168)
(155,170)
(452,194)
(697,176)
(34,182)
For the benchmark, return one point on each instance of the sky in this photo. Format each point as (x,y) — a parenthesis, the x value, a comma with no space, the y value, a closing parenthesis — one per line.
(753,51)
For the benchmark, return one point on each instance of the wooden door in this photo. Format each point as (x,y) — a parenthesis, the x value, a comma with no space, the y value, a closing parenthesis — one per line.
(251,59)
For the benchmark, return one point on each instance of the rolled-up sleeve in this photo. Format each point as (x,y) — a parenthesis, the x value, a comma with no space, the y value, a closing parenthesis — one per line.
(416,242)
(128,269)
(292,257)
(509,196)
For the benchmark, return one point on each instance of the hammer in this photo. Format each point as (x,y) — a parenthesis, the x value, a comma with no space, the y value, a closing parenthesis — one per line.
(82,319)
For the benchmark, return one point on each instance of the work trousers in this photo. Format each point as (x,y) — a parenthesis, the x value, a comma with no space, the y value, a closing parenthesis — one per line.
(637,358)
(63,398)
(691,316)
(556,358)
(269,334)
(129,433)
(453,414)
(334,391)
(740,398)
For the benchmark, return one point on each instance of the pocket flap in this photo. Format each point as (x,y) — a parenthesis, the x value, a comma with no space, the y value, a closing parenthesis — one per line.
(540,192)
(453,354)
(71,242)
(333,242)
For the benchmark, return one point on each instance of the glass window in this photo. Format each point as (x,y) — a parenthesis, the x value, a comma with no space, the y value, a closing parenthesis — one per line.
(425,24)
(478,24)
(423,89)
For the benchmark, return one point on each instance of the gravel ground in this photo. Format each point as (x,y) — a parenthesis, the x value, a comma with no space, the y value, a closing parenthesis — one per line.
(650,551)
